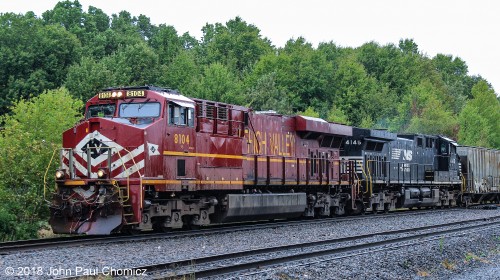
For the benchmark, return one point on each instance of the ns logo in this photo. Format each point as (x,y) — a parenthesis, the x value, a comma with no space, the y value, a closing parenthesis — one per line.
(407,154)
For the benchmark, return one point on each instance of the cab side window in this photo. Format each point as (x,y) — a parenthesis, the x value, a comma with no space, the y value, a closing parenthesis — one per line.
(178,115)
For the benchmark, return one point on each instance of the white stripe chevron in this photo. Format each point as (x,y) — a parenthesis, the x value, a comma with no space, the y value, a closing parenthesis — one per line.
(128,157)
(101,138)
(118,163)
(131,170)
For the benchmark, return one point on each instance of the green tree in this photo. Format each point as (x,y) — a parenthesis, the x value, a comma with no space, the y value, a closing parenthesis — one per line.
(219,84)
(453,72)
(357,94)
(95,20)
(237,45)
(96,40)
(88,77)
(434,119)
(423,111)
(32,133)
(166,43)
(182,74)
(309,112)
(474,129)
(266,95)
(33,57)
(309,76)
(134,65)
(338,116)
(301,73)
(479,120)
(69,14)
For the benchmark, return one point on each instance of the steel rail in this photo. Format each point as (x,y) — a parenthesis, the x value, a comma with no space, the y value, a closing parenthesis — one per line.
(187,268)
(58,242)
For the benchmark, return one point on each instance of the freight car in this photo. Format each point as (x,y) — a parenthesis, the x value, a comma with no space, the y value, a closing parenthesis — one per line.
(481,174)
(149,158)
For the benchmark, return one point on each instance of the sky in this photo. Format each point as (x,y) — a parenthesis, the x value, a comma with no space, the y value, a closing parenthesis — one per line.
(466,29)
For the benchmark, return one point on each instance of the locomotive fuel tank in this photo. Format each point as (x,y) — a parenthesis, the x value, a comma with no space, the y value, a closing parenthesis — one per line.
(420,197)
(263,206)
(417,193)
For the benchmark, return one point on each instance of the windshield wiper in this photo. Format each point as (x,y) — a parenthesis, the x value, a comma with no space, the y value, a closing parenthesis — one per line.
(126,104)
(143,103)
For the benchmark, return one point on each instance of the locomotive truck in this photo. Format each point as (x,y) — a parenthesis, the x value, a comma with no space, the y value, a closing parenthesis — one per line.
(148,158)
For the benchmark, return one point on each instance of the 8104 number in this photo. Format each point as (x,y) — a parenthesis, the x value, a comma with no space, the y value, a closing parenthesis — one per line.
(181,139)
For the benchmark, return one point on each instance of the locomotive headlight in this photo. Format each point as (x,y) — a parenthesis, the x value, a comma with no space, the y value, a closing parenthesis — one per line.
(119,94)
(60,174)
(102,173)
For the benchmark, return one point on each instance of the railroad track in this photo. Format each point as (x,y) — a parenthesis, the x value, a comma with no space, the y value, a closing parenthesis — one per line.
(50,243)
(238,262)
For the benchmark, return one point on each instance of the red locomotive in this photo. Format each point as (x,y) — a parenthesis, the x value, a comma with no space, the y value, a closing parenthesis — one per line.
(149,158)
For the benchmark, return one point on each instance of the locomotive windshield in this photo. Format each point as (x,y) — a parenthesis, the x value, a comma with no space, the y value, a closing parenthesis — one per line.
(140,110)
(101,111)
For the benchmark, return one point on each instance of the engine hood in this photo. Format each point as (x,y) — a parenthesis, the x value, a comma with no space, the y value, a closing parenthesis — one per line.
(94,144)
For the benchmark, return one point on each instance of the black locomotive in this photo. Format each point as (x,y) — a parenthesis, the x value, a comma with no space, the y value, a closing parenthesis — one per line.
(415,170)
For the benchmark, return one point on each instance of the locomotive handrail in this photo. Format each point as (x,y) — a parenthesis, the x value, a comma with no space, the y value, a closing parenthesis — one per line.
(128,175)
(367,183)
(370,183)
(45,176)
(463,182)
(356,177)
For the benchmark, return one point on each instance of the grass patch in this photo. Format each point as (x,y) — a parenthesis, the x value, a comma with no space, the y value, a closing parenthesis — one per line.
(469,257)
(423,273)
(448,264)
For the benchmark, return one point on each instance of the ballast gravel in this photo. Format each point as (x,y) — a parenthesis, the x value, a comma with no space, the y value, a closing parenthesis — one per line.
(471,256)
(461,257)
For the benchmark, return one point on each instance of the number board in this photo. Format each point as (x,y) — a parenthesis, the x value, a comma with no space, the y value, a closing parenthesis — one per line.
(119,94)
(135,93)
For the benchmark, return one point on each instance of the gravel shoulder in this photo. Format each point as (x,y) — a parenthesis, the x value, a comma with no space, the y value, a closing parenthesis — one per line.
(424,261)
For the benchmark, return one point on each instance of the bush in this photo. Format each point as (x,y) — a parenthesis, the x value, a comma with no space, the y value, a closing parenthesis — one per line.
(31,134)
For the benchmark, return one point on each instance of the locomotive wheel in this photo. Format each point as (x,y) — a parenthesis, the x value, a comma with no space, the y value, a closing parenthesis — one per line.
(374,208)
(360,205)
(360,208)
(131,231)
(158,227)
(387,207)
(187,220)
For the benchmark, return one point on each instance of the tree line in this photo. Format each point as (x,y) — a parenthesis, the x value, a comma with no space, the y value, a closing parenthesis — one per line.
(51,64)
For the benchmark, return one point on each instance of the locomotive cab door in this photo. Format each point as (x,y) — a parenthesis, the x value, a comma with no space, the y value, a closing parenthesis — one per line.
(180,164)
(443,158)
